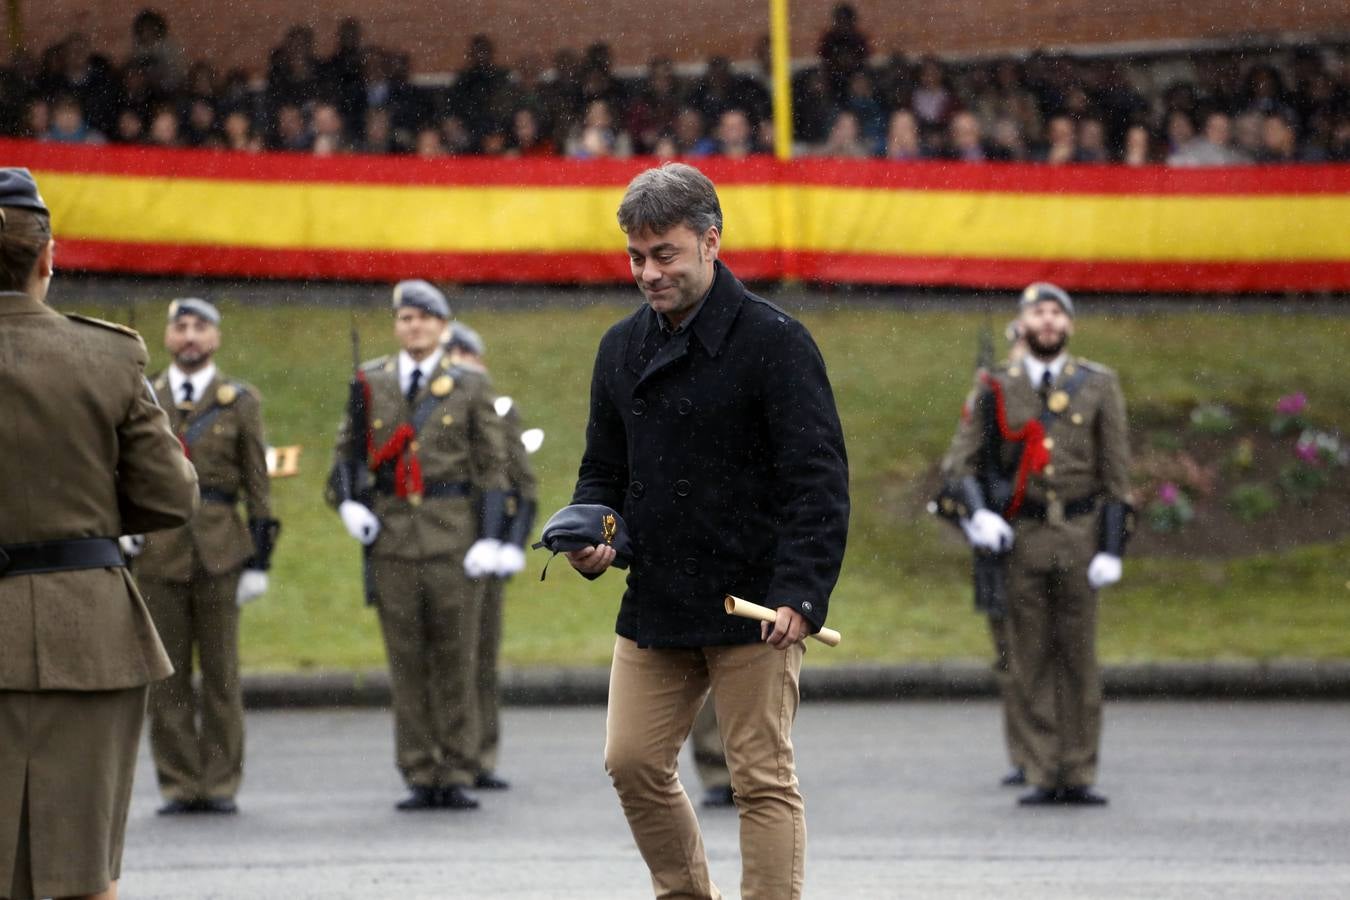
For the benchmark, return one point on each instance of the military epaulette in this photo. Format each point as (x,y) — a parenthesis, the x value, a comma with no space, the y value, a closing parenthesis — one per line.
(102,323)
(1094,367)
(378,363)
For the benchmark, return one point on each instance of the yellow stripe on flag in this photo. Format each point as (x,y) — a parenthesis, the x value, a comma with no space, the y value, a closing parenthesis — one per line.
(478,219)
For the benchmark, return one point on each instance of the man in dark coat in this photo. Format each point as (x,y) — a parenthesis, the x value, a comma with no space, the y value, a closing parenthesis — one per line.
(713,430)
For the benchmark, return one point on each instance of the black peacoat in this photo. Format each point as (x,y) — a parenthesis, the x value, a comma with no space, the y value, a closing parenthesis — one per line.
(721,446)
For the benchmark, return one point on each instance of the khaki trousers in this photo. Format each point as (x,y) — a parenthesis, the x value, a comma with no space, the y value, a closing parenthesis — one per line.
(1014,716)
(1052,631)
(429,617)
(654,695)
(489,648)
(194,762)
(709,758)
(66,764)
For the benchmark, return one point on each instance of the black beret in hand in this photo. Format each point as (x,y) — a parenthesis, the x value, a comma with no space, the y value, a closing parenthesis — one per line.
(584,525)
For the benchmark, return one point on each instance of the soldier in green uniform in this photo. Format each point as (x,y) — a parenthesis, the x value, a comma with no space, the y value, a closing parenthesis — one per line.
(85,454)
(420,442)
(466,349)
(1062,465)
(198,577)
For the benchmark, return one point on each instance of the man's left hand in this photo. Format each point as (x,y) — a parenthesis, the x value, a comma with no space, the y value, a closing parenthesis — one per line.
(1104,570)
(252,585)
(788,629)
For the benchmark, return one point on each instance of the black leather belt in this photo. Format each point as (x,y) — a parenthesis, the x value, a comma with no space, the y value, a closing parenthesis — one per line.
(433,489)
(215,495)
(59,556)
(1072,509)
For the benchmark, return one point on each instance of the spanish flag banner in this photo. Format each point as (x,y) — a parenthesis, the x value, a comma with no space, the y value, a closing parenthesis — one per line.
(1108,228)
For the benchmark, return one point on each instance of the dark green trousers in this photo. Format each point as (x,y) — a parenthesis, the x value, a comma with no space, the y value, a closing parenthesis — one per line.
(197,741)
(429,615)
(1052,643)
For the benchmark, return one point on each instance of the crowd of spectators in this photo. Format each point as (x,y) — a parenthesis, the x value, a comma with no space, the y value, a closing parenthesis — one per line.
(1218,107)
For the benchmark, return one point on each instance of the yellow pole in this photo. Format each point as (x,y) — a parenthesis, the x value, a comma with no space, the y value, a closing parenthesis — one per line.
(15,27)
(782,82)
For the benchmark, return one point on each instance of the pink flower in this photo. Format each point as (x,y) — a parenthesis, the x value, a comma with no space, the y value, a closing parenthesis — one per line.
(1292,404)
(1168,493)
(1306,451)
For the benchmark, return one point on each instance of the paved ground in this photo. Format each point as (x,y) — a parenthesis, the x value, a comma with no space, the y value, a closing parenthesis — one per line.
(1208,800)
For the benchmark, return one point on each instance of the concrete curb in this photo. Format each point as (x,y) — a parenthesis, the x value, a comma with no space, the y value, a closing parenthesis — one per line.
(1207,680)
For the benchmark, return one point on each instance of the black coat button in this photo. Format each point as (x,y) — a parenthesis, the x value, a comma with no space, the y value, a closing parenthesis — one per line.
(637,489)
(639,406)
(691,566)
(683,487)
(685,406)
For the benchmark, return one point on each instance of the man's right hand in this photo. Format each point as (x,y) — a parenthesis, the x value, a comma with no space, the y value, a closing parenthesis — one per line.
(359,521)
(988,531)
(591,560)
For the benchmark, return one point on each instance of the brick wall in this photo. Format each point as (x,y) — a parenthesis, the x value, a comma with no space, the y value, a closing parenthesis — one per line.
(240,32)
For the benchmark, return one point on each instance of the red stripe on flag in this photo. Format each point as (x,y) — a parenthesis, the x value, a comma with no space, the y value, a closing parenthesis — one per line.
(468,171)
(612,268)
(1186,277)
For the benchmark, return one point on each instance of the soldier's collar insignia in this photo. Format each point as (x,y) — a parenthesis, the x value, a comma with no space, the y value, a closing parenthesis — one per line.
(1015,371)
(442,386)
(389,366)
(226,394)
(445,362)
(1058,402)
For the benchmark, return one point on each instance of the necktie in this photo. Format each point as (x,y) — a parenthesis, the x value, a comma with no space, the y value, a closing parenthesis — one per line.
(187,392)
(413,384)
(1047,380)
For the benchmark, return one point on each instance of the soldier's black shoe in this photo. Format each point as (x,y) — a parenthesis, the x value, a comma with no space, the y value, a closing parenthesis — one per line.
(1081,795)
(178,808)
(718,797)
(1016,777)
(419,798)
(218,805)
(488,781)
(1040,796)
(455,797)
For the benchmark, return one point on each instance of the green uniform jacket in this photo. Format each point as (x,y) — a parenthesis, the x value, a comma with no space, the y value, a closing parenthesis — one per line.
(230,455)
(462,441)
(85,451)
(1088,440)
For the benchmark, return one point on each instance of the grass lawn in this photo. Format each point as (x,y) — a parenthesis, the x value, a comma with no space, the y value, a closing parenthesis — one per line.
(900,376)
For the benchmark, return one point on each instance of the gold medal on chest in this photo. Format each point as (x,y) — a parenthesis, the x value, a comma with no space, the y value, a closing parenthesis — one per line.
(1058,402)
(226,394)
(442,386)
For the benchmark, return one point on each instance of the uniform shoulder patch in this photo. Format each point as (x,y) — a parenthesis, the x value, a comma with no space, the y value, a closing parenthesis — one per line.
(1094,367)
(374,365)
(102,323)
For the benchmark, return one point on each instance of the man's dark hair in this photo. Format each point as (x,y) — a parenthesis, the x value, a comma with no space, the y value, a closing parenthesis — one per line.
(673,194)
(23,234)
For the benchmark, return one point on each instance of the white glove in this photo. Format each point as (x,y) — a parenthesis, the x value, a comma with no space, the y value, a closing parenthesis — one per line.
(252,585)
(1104,570)
(482,557)
(510,560)
(988,531)
(131,544)
(359,521)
